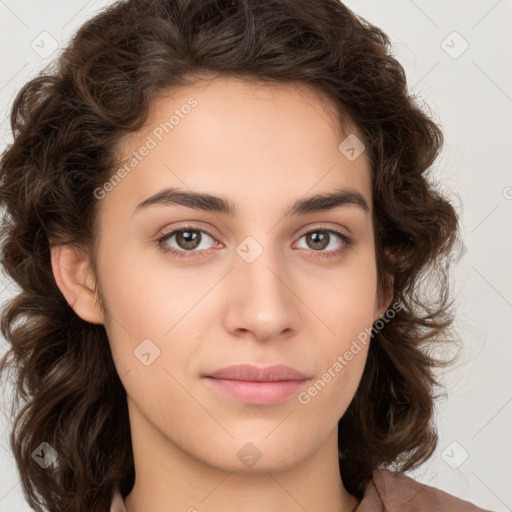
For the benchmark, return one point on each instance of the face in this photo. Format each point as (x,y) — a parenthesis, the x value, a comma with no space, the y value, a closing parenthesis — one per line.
(192,287)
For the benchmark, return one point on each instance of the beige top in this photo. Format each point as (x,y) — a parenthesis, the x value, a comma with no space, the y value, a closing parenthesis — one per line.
(388,491)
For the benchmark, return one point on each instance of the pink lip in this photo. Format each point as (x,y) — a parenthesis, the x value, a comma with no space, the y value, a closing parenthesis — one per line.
(254,385)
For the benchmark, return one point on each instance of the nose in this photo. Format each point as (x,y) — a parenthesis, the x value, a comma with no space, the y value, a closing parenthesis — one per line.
(262,300)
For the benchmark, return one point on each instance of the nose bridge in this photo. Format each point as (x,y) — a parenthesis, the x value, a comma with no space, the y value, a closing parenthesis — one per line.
(261,301)
(257,265)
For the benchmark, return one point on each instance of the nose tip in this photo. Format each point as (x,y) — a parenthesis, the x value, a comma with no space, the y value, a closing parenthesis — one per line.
(261,301)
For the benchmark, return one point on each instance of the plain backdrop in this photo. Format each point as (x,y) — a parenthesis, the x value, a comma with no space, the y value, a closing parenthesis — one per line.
(457,55)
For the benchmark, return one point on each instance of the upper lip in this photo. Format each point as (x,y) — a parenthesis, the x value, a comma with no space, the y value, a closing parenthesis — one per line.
(253,373)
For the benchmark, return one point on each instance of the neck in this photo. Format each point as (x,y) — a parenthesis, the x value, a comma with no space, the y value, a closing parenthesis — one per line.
(167,478)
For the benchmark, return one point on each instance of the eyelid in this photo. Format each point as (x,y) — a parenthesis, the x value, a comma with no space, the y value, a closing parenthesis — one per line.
(167,232)
(347,240)
(324,227)
(197,227)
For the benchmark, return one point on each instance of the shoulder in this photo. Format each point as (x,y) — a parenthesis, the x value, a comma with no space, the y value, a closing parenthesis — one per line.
(394,491)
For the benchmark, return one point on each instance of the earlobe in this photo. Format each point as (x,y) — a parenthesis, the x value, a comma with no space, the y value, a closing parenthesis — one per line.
(386,303)
(74,277)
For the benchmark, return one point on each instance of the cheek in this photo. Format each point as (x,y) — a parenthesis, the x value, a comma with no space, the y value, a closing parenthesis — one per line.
(344,301)
(153,318)
(150,298)
(346,308)
(341,361)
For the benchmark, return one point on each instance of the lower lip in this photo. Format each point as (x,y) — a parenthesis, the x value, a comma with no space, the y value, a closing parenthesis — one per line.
(261,393)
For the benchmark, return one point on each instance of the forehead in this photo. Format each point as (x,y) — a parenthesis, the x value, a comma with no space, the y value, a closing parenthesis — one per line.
(234,97)
(259,140)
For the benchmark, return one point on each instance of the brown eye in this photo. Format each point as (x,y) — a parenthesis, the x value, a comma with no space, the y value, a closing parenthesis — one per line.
(186,240)
(318,240)
(326,242)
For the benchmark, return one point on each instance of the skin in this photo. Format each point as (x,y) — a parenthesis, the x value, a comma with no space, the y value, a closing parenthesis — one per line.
(262,147)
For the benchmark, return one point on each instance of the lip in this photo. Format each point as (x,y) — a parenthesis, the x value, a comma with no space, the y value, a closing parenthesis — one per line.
(248,372)
(261,386)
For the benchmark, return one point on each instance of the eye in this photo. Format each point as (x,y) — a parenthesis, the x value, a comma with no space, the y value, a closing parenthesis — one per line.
(187,239)
(322,238)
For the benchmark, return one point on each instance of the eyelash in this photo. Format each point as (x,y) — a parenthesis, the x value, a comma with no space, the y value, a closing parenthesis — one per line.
(348,242)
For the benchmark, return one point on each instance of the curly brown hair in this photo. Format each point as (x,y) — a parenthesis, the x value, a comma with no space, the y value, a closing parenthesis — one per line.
(67,123)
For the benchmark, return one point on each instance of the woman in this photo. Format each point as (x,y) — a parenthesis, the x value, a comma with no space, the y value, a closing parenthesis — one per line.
(218,216)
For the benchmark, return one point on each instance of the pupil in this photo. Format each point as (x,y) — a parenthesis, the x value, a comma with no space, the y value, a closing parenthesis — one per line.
(319,237)
(189,239)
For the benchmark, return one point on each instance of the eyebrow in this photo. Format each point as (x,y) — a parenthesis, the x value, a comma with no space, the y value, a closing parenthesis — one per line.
(210,203)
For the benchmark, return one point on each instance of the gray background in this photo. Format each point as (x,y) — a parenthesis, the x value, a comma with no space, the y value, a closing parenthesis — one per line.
(469,91)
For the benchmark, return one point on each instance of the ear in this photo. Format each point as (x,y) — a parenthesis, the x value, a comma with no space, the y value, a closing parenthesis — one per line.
(75,279)
(386,303)
(381,308)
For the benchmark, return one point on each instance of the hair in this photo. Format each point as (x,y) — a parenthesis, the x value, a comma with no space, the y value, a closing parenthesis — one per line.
(67,123)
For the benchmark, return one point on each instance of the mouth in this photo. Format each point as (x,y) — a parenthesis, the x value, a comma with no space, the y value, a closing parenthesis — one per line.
(256,392)
(261,386)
